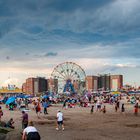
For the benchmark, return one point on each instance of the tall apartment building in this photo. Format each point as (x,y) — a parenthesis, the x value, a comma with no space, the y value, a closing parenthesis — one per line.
(40,85)
(116,82)
(30,85)
(104,82)
(92,83)
(35,85)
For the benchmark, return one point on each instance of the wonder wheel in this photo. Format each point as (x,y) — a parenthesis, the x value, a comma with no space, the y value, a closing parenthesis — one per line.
(70,76)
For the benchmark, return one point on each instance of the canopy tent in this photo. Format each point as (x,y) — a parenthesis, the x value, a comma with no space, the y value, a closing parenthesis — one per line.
(134,92)
(20,96)
(116,92)
(10,100)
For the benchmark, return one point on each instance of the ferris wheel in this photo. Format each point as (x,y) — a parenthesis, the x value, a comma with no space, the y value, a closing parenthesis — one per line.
(70,76)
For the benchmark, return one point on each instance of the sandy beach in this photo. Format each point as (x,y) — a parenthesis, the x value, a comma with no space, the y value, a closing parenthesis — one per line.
(79,124)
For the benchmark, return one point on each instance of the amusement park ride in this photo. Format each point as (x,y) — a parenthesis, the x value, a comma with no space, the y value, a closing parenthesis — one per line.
(71,78)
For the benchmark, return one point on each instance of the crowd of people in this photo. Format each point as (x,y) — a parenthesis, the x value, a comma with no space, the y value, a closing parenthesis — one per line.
(96,103)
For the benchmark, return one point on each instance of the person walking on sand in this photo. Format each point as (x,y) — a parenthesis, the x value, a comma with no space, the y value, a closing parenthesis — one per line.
(92,109)
(45,105)
(136,107)
(24,119)
(98,105)
(60,120)
(116,107)
(38,109)
(118,104)
(64,104)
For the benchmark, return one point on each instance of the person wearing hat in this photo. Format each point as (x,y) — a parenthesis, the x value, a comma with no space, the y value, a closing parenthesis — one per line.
(30,133)
(60,120)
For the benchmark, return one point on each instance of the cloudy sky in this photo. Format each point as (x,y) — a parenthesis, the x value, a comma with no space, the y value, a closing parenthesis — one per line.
(102,36)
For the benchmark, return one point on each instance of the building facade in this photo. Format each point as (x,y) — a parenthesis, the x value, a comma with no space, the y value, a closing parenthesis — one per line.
(116,82)
(35,86)
(104,82)
(30,85)
(92,83)
(40,85)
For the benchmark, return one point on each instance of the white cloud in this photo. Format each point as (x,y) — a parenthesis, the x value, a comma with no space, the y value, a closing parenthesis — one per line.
(70,32)
(128,65)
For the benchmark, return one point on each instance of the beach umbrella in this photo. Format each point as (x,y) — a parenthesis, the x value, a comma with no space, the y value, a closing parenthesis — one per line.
(45,97)
(28,96)
(10,100)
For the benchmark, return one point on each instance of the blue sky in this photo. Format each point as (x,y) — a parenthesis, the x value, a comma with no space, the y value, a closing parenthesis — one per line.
(103,36)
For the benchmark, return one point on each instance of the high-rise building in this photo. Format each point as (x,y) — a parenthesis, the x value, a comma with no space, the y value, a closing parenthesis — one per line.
(116,82)
(30,85)
(92,83)
(104,82)
(35,85)
(40,85)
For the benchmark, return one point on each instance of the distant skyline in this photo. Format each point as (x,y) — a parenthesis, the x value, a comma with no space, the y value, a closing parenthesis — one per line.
(102,36)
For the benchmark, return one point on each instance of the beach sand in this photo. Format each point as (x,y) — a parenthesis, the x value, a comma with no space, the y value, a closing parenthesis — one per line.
(79,124)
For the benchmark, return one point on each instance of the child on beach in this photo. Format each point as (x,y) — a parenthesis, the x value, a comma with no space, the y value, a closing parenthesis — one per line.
(92,109)
(116,107)
(122,108)
(104,109)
